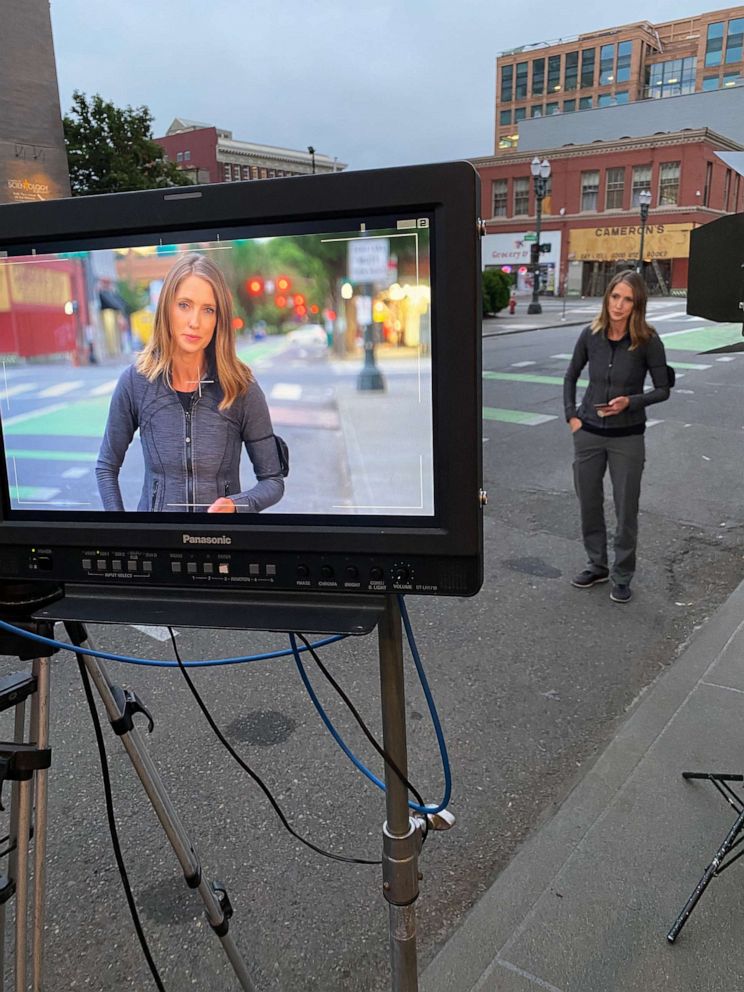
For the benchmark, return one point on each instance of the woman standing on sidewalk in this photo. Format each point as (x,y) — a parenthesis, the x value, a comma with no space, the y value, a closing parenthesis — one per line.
(619,347)
(195,405)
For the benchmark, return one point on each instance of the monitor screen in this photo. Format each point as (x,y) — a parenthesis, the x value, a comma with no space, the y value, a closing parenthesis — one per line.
(111,397)
(264,384)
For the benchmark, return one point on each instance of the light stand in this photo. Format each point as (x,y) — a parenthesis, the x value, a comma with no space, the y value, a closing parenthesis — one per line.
(644,199)
(540,175)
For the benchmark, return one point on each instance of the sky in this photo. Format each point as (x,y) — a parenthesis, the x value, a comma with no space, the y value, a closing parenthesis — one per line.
(374,84)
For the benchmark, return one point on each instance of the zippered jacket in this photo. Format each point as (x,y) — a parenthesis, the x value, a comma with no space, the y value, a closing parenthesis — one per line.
(615,372)
(191,458)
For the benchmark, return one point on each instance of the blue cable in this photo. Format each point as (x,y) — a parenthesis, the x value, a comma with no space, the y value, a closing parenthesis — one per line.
(153,662)
(416,807)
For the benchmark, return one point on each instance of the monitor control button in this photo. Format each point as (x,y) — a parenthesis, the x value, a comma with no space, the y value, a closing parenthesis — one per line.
(352,572)
(401,575)
(303,572)
(376,574)
(326,571)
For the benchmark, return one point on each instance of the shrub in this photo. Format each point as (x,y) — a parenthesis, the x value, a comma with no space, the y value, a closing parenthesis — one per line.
(496,287)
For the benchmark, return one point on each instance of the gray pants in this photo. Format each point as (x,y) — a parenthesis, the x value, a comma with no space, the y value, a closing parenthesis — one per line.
(626,457)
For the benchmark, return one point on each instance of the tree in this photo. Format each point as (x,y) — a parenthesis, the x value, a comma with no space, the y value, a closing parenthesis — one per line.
(110,150)
(496,287)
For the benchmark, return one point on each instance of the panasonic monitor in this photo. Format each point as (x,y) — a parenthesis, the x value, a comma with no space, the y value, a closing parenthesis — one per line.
(262,385)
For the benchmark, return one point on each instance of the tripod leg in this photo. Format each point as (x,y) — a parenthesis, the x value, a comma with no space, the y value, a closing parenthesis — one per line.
(18,736)
(25,793)
(708,874)
(40,734)
(218,909)
(400,836)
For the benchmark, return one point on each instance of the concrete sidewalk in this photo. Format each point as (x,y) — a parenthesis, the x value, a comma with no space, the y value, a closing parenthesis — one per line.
(587,902)
(553,315)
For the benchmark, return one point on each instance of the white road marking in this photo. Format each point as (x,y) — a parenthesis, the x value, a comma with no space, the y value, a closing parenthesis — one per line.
(726,358)
(673,316)
(105,388)
(522,365)
(34,413)
(157,633)
(17,390)
(653,423)
(75,473)
(286,391)
(566,358)
(60,389)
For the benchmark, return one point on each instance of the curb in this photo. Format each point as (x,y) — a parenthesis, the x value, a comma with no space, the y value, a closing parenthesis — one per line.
(537,327)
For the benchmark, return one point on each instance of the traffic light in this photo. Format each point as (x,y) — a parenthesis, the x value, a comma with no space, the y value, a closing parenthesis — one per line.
(534,253)
(283,284)
(254,285)
(545,246)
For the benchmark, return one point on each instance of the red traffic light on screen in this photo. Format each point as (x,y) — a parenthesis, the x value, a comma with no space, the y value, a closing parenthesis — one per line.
(255,285)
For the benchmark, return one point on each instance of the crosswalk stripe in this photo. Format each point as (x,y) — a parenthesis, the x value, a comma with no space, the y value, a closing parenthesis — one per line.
(105,388)
(16,390)
(690,365)
(516,416)
(7,421)
(60,389)
(522,365)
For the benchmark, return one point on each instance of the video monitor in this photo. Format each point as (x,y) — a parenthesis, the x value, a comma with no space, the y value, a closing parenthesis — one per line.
(285,368)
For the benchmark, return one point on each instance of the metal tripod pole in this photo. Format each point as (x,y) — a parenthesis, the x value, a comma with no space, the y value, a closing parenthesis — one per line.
(218,912)
(400,835)
(40,735)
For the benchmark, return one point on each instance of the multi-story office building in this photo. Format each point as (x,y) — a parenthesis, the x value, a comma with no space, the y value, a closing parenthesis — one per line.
(210,154)
(615,66)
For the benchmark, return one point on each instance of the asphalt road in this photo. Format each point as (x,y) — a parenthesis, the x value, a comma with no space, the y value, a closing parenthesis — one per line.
(531,677)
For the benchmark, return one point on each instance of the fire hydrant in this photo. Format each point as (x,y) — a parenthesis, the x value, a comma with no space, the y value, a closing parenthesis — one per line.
(512,304)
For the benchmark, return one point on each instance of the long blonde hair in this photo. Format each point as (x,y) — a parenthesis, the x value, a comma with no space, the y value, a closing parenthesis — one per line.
(640,330)
(157,356)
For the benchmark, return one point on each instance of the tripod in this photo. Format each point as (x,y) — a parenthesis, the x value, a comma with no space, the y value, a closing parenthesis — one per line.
(25,763)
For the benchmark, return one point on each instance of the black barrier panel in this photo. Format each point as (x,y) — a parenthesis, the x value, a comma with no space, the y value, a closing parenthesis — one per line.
(715,287)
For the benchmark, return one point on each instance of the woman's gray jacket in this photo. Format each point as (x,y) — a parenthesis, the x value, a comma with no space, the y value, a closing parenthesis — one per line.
(191,458)
(615,372)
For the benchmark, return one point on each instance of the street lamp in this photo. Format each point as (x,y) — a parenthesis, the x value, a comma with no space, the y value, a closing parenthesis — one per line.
(311,150)
(540,175)
(644,199)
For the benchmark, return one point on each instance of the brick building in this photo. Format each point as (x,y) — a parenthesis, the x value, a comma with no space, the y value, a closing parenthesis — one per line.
(591,214)
(210,154)
(617,66)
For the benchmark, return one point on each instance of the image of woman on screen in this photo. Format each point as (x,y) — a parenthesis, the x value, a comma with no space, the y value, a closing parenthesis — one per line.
(196,404)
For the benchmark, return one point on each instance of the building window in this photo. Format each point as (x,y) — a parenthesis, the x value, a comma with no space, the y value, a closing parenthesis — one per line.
(227,173)
(675,77)
(606,65)
(520,89)
(499,197)
(263,173)
(726,189)
(522,195)
(236,173)
(507,82)
(179,156)
(641,181)
(735,40)
(246,172)
(571,73)
(538,77)
(669,184)
(730,79)
(507,141)
(587,69)
(554,73)
(605,100)
(621,97)
(505,117)
(624,57)
(585,103)
(710,83)
(714,44)
(569,106)
(536,111)
(519,114)
(187,156)
(551,108)
(589,190)
(708,183)
(614,189)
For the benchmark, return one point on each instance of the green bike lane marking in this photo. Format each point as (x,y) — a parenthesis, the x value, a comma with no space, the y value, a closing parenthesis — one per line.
(703,338)
(21,454)
(516,416)
(262,349)
(542,380)
(84,418)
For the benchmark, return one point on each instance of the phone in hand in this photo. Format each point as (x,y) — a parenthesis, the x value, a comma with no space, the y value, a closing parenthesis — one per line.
(602,409)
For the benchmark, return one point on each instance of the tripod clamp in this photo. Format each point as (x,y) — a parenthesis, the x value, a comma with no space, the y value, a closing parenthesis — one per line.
(128,703)
(18,762)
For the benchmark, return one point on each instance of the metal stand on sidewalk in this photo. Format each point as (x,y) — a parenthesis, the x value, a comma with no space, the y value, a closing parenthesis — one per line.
(401,836)
(732,840)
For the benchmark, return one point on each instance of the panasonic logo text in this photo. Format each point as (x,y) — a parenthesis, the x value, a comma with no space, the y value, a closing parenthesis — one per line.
(222,539)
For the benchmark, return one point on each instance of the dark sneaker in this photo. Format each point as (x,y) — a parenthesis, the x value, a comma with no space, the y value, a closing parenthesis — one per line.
(588,578)
(620,594)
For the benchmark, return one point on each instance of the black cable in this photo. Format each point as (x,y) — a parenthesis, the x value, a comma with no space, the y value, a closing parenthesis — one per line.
(366,731)
(256,778)
(112,823)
